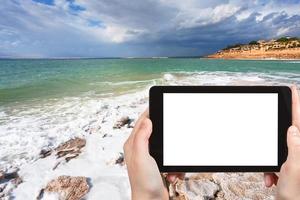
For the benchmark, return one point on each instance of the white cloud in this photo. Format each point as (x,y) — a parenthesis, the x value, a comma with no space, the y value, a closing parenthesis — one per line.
(141,27)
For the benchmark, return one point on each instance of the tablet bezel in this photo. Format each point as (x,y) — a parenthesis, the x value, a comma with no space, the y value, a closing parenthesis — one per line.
(156,116)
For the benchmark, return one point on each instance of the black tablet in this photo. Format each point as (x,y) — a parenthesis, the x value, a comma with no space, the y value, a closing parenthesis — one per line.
(219,128)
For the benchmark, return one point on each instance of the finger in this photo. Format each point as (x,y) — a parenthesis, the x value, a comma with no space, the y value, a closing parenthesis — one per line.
(144,115)
(172,177)
(128,143)
(293,142)
(295,107)
(270,179)
(142,135)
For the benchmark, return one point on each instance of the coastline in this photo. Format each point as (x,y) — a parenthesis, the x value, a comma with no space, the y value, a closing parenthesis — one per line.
(100,125)
(100,163)
(255,59)
(233,54)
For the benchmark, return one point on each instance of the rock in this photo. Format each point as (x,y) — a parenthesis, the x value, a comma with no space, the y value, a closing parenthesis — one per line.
(221,186)
(9,180)
(243,186)
(117,161)
(196,189)
(106,135)
(201,176)
(45,152)
(122,122)
(9,174)
(71,147)
(1,175)
(67,188)
(120,160)
(69,150)
(131,124)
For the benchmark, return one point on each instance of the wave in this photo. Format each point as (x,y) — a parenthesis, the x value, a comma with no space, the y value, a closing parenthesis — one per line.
(233,78)
(124,82)
(294,62)
(26,129)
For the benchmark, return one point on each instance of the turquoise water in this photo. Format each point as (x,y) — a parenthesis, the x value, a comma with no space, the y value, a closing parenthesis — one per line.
(46,102)
(32,80)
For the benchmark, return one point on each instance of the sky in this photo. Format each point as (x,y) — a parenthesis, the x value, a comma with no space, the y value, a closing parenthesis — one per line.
(139,28)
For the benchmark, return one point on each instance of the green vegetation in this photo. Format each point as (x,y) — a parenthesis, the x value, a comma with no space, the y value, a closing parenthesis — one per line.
(280,43)
(287,39)
(233,46)
(253,43)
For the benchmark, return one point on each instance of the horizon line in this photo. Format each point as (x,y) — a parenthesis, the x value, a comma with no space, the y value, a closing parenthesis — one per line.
(113,57)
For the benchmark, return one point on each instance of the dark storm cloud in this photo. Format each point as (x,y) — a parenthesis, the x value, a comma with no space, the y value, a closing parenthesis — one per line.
(107,28)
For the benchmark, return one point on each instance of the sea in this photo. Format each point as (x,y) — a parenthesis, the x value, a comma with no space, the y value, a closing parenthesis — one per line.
(44,102)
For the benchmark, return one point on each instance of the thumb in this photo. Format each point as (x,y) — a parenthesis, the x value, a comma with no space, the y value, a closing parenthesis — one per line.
(293,142)
(142,135)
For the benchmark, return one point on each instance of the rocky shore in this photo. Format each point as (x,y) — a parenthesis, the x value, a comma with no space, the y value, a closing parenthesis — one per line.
(282,49)
(284,54)
(92,167)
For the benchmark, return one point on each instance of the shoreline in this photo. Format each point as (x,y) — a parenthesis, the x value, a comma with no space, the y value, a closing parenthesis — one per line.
(253,59)
(283,54)
(99,164)
(99,160)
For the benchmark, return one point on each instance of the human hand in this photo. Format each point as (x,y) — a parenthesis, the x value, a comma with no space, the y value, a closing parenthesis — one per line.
(288,180)
(145,179)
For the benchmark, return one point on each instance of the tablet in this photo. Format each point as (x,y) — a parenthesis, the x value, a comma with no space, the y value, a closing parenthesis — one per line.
(219,128)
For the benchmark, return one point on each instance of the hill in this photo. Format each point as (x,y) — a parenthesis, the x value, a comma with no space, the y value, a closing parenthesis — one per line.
(282,48)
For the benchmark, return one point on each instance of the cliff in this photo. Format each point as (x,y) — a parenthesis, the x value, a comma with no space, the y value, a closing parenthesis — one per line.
(282,48)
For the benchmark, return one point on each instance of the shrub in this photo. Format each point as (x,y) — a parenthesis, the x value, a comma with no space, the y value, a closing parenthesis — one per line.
(253,43)
(233,46)
(286,39)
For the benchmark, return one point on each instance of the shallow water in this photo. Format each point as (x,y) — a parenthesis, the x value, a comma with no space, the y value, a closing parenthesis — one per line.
(34,80)
(45,102)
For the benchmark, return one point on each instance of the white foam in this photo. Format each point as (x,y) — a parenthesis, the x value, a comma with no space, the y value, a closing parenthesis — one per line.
(169,77)
(124,82)
(294,62)
(28,129)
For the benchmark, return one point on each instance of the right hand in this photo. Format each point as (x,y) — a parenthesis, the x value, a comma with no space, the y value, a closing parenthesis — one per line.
(288,180)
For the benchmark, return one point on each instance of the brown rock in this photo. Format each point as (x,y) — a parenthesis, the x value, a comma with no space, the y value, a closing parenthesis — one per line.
(71,148)
(202,176)
(1,175)
(258,54)
(122,122)
(243,186)
(221,186)
(67,187)
(195,189)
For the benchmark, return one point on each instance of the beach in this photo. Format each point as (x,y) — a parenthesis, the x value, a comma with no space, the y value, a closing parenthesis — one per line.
(45,103)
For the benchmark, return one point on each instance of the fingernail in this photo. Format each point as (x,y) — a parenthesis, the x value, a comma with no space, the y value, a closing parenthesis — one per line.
(293,130)
(172,179)
(267,181)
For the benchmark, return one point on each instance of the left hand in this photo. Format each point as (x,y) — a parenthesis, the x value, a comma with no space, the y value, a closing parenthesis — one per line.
(145,179)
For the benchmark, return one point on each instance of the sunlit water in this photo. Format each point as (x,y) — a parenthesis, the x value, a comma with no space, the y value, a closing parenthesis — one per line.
(44,102)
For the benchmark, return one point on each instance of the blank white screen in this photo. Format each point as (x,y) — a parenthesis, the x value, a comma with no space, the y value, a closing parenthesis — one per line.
(220,129)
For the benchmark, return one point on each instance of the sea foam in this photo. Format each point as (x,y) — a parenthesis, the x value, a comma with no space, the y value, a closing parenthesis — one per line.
(26,129)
